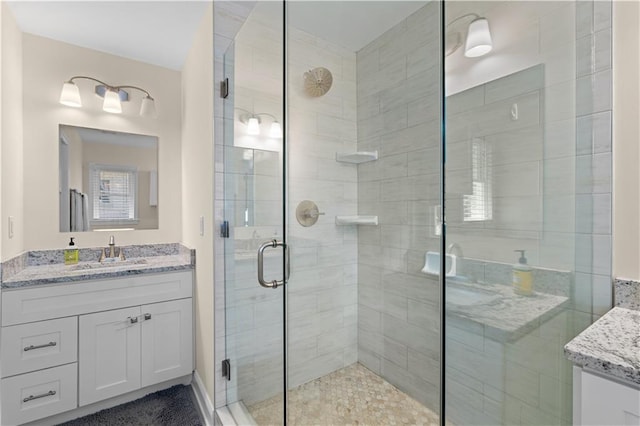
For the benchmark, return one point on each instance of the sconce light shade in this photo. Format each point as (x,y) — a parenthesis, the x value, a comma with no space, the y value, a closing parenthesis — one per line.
(112,102)
(253,126)
(113,96)
(275,131)
(478,41)
(70,95)
(148,107)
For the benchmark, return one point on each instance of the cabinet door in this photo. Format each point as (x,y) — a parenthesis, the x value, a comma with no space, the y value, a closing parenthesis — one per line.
(109,356)
(167,341)
(605,402)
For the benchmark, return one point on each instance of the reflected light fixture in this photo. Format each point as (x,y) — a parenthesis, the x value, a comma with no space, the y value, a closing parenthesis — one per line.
(275,131)
(253,126)
(253,121)
(478,41)
(113,96)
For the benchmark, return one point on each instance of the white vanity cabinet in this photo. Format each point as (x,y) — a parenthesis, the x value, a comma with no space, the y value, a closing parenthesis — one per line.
(603,401)
(74,344)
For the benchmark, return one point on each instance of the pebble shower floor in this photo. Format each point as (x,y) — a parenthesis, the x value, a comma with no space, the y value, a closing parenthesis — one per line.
(350,396)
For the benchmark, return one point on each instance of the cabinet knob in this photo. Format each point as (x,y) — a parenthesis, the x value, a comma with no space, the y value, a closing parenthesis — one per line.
(147,317)
(133,320)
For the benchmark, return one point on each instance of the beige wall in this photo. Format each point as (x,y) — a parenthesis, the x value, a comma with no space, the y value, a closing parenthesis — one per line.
(11,137)
(626,132)
(197,186)
(47,64)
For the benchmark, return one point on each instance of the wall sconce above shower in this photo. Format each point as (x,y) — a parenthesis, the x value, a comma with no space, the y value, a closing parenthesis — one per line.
(253,122)
(113,96)
(478,41)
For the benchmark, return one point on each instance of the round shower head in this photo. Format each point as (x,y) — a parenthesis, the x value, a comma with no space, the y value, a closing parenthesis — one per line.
(317,81)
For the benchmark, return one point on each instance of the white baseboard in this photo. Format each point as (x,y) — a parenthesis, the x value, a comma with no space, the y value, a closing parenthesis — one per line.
(202,397)
(224,417)
(241,414)
(108,403)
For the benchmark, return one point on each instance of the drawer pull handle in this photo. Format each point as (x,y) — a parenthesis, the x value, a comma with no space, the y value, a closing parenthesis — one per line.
(46,345)
(43,395)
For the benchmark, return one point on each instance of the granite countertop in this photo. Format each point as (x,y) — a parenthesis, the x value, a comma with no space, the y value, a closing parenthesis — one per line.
(611,345)
(508,316)
(44,268)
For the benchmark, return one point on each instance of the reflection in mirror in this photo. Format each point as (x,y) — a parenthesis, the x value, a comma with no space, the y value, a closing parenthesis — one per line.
(495,161)
(108,180)
(253,184)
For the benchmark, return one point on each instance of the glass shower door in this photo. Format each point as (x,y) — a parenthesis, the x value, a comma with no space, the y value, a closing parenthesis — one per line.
(253,227)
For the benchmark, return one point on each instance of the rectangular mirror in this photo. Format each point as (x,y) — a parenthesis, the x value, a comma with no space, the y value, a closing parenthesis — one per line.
(108,180)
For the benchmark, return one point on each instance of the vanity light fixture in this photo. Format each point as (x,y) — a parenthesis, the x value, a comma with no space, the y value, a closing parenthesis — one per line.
(253,121)
(478,41)
(113,96)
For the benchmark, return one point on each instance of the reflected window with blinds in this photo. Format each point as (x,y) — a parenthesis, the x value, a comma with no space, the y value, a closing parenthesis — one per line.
(112,194)
(478,206)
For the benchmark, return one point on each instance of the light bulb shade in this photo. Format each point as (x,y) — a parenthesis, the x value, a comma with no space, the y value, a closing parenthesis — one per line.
(275,131)
(70,95)
(253,126)
(148,107)
(478,41)
(112,102)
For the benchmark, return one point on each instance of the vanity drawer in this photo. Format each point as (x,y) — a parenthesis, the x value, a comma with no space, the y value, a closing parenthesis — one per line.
(38,345)
(32,396)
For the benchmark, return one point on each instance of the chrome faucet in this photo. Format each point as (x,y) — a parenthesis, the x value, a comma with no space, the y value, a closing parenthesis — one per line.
(455,247)
(112,246)
(113,253)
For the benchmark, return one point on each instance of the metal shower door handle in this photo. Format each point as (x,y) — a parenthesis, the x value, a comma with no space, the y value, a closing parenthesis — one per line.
(287,272)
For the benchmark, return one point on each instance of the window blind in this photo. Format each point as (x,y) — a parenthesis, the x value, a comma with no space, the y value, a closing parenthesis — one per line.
(113,193)
(478,205)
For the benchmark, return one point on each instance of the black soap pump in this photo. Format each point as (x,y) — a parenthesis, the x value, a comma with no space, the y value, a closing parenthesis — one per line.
(71,254)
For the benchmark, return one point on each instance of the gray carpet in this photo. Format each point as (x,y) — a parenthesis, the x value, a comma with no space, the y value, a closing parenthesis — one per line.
(170,407)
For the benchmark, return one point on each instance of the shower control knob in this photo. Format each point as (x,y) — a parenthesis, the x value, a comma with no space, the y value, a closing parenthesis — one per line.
(308,213)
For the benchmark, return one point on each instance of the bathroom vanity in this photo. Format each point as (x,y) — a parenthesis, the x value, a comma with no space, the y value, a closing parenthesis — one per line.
(606,357)
(87,336)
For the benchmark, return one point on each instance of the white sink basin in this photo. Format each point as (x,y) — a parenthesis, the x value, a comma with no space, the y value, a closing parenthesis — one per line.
(462,296)
(98,265)
(432,264)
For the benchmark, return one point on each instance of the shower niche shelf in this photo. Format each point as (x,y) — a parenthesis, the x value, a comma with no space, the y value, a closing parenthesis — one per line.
(357,157)
(357,220)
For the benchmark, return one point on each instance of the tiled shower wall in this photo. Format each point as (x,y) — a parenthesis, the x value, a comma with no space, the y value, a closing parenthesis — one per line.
(398,115)
(593,171)
(322,293)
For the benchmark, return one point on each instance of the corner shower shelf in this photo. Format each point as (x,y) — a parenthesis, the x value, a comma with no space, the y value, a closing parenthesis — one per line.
(357,157)
(357,220)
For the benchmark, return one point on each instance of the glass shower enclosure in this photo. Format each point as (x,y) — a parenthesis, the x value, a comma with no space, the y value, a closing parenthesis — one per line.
(411,233)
